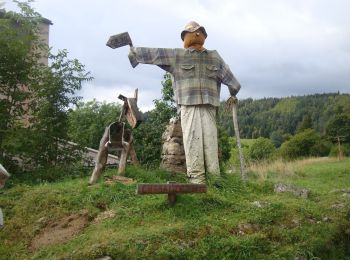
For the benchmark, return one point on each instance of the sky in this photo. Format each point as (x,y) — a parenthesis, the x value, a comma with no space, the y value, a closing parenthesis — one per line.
(275,48)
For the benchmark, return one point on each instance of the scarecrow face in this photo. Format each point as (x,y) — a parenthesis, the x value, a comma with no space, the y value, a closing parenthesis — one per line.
(194,39)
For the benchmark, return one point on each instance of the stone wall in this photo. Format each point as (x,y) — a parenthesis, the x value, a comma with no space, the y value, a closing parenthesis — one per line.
(173,154)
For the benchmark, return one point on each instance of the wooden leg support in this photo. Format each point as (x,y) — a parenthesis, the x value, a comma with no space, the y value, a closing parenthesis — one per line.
(101,158)
(172,199)
(171,189)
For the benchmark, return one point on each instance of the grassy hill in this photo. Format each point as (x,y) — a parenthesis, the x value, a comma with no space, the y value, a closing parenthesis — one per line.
(70,220)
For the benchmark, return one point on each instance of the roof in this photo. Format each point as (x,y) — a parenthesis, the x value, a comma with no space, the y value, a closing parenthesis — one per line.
(4,15)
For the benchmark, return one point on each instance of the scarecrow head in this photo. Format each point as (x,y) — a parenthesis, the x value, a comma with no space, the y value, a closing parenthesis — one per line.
(194,36)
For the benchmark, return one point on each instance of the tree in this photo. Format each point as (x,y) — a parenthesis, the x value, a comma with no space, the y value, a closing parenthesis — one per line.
(148,135)
(338,126)
(19,67)
(51,99)
(88,121)
(305,123)
(35,98)
(338,130)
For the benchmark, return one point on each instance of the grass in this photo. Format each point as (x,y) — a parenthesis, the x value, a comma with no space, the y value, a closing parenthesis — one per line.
(223,223)
(280,169)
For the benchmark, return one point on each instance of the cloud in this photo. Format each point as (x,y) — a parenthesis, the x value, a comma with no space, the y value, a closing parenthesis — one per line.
(274,48)
(108,94)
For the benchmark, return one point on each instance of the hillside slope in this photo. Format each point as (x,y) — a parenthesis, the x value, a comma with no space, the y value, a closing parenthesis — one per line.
(69,220)
(263,116)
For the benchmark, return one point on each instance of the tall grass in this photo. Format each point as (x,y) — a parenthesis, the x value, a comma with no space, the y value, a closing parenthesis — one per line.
(281,169)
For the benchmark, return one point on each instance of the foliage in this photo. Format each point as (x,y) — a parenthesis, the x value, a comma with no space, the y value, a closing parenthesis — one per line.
(224,145)
(54,95)
(235,222)
(303,144)
(148,135)
(234,162)
(262,149)
(304,124)
(19,67)
(338,127)
(87,121)
(36,96)
(262,117)
(277,138)
(344,150)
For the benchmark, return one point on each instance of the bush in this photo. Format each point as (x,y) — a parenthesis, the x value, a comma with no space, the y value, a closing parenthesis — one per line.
(277,138)
(345,148)
(234,155)
(224,145)
(303,144)
(262,149)
(321,148)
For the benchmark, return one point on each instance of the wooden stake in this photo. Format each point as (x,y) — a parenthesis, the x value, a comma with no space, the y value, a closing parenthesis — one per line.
(238,140)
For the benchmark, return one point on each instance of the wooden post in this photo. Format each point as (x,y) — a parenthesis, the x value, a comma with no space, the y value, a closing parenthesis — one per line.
(238,140)
(101,158)
(123,158)
(133,155)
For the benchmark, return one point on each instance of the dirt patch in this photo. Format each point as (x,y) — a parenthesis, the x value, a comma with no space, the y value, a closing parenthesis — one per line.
(121,179)
(61,230)
(105,215)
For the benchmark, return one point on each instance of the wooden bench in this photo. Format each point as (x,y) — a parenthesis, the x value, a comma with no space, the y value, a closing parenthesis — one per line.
(170,188)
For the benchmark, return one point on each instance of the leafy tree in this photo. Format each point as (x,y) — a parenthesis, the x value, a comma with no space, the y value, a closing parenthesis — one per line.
(88,121)
(35,98)
(52,98)
(148,135)
(338,131)
(338,126)
(262,149)
(19,67)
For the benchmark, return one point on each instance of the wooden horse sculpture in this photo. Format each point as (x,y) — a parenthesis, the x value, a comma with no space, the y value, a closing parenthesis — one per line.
(118,138)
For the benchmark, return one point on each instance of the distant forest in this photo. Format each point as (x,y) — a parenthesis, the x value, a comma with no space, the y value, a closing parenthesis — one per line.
(263,117)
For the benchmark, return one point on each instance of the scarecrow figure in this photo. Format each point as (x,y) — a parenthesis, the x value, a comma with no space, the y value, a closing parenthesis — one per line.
(197,76)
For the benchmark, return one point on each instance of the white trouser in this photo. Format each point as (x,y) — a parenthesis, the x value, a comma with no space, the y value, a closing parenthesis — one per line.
(200,141)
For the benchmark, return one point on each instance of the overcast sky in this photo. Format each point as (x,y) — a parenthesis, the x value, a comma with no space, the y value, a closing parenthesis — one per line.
(275,48)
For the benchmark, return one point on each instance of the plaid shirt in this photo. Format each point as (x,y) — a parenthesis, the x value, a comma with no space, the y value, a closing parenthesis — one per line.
(197,75)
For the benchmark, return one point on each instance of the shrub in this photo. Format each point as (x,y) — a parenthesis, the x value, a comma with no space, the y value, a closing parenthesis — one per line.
(234,155)
(262,149)
(345,149)
(302,144)
(277,138)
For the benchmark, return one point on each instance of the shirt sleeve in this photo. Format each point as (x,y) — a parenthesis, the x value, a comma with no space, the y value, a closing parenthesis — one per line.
(162,57)
(227,78)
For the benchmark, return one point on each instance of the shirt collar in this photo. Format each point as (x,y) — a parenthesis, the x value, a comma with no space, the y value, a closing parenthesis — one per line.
(190,49)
